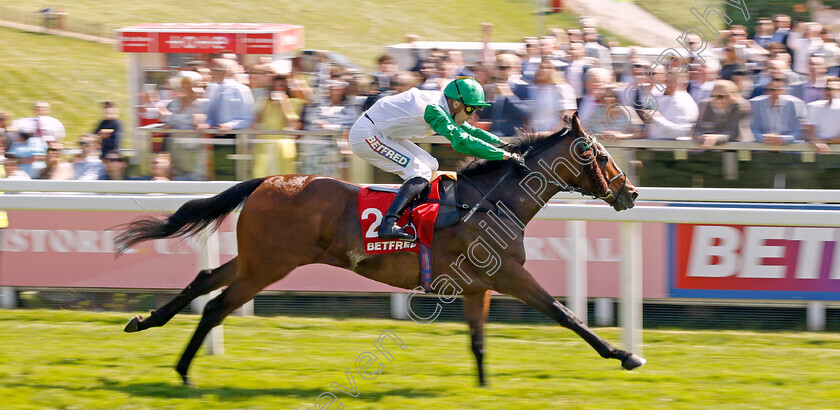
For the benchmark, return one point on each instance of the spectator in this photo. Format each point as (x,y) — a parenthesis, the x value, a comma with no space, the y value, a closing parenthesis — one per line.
(30,151)
(259,80)
(702,78)
(731,61)
(319,154)
(550,98)
(429,75)
(781,24)
(88,165)
(57,168)
(161,167)
(676,112)
(744,82)
(813,89)
(42,125)
(12,170)
(381,80)
(231,107)
(109,129)
(508,112)
(724,116)
(804,41)
(531,60)
(115,166)
(576,70)
(777,116)
(596,79)
(823,124)
(459,67)
(403,81)
(763,32)
(617,121)
(186,112)
(595,50)
(279,112)
(831,52)
(774,67)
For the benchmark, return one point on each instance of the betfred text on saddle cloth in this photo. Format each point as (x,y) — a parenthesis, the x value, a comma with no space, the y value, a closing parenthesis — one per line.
(372,207)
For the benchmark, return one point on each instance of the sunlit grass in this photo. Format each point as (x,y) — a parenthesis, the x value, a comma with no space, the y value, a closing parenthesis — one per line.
(73,76)
(62,359)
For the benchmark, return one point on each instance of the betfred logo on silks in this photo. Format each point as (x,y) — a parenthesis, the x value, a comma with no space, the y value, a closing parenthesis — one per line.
(755,262)
(386,151)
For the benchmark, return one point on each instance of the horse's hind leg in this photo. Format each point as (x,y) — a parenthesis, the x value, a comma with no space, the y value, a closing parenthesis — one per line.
(241,290)
(521,285)
(476,307)
(206,282)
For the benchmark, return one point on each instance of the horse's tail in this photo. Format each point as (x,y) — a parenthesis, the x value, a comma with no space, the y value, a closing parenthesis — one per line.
(189,219)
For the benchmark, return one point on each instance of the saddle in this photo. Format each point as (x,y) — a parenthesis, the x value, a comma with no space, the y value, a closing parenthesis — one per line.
(450,207)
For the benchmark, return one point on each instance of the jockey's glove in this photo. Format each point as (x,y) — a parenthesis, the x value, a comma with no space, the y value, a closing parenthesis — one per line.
(518,161)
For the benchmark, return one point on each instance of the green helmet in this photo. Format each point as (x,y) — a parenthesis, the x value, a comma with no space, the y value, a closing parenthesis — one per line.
(466,90)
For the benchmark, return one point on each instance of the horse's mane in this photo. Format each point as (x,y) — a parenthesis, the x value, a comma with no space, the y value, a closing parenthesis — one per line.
(522,141)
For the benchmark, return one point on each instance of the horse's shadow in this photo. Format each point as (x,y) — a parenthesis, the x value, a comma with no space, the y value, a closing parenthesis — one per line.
(178,391)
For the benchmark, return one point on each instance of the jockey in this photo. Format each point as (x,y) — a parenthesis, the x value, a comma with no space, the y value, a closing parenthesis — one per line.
(380,136)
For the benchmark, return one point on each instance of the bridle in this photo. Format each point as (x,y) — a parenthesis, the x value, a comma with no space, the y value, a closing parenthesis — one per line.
(609,197)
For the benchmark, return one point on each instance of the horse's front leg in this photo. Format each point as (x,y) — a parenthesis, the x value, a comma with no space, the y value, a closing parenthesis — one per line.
(476,308)
(519,283)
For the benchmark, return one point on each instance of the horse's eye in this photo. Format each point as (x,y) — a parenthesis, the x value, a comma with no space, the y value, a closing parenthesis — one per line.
(602,158)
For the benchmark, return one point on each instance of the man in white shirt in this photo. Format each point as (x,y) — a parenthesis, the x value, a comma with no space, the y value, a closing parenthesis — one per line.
(823,124)
(677,112)
(805,40)
(42,125)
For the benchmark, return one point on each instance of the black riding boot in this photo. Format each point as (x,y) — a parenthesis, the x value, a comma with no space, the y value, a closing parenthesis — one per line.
(389,229)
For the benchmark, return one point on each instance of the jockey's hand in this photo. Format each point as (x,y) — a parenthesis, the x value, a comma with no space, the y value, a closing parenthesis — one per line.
(518,161)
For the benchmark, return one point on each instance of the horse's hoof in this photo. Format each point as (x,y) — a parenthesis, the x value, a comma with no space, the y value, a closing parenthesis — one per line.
(133,324)
(633,361)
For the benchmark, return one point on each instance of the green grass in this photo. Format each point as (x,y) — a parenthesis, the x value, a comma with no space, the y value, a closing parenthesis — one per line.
(358,29)
(73,76)
(678,12)
(64,359)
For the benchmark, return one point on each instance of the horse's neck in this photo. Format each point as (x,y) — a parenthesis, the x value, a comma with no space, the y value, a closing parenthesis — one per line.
(512,194)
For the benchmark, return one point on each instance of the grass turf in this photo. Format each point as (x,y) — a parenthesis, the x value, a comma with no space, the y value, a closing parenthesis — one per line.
(678,13)
(66,359)
(73,76)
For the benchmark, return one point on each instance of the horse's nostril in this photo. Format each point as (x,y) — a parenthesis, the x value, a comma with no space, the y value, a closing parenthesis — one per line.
(634,195)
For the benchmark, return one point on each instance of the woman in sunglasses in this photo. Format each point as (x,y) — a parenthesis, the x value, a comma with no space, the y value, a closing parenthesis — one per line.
(381,136)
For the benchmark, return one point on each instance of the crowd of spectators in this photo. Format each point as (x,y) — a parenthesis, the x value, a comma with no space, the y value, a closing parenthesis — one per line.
(778,87)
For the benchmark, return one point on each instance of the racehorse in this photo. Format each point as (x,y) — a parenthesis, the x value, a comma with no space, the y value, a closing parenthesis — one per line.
(288,221)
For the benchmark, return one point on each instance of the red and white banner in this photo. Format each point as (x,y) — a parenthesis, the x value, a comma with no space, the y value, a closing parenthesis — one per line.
(211,38)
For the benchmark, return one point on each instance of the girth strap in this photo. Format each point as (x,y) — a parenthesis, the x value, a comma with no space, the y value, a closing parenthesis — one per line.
(425,267)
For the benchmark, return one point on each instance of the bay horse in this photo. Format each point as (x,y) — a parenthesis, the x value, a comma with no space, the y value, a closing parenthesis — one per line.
(288,221)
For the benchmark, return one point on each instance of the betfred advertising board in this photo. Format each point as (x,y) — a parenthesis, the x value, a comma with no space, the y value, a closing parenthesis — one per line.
(74,249)
(755,262)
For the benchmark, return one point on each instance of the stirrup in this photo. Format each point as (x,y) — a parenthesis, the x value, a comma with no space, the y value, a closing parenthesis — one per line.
(399,233)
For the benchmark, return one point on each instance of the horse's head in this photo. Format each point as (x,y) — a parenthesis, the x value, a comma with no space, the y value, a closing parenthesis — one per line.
(583,165)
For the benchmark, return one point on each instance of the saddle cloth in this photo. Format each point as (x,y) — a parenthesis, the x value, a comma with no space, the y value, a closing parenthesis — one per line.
(374,202)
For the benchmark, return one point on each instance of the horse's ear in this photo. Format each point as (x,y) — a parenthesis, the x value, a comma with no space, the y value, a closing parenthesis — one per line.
(578,130)
(567,120)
